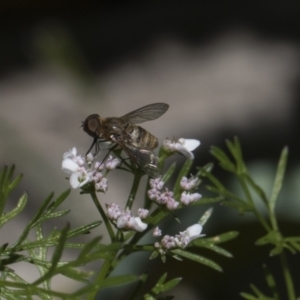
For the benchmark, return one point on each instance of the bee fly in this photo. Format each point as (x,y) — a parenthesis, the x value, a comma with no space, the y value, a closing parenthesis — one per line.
(136,142)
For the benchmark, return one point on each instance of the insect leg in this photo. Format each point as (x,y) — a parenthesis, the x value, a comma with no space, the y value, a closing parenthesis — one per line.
(106,156)
(93,144)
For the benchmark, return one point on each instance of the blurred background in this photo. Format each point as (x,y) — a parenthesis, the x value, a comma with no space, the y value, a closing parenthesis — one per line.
(226,69)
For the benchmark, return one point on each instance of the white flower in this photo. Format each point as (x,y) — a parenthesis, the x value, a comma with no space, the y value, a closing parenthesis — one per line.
(111,163)
(79,179)
(102,185)
(74,165)
(165,197)
(189,184)
(122,221)
(184,146)
(143,213)
(136,224)
(113,211)
(156,231)
(123,218)
(70,154)
(168,242)
(191,233)
(156,183)
(90,158)
(69,166)
(153,194)
(188,198)
(99,166)
(171,204)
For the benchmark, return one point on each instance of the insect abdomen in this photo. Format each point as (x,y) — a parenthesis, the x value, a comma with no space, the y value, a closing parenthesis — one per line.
(141,138)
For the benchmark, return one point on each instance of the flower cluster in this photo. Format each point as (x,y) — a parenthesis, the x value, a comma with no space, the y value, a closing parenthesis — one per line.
(74,165)
(180,240)
(124,220)
(161,197)
(188,185)
(183,146)
(165,197)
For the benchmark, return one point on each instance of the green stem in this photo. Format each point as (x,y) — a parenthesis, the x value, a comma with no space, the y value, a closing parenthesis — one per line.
(250,200)
(136,182)
(287,277)
(104,217)
(272,217)
(102,275)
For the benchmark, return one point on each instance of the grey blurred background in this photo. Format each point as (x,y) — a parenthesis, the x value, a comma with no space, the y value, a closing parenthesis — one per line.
(225,69)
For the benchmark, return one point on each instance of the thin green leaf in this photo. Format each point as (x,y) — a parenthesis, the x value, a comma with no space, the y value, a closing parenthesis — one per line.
(224,237)
(279,177)
(32,222)
(260,295)
(198,258)
(118,280)
(139,286)
(56,255)
(3,177)
(14,183)
(259,191)
(226,165)
(15,277)
(3,196)
(272,237)
(3,247)
(212,247)
(14,212)
(248,296)
(12,258)
(165,178)
(108,282)
(271,282)
(162,279)
(290,248)
(295,245)
(61,198)
(83,229)
(10,173)
(206,168)
(221,156)
(171,284)
(205,216)
(235,150)
(89,247)
(213,179)
(208,200)
(77,275)
(239,205)
(183,172)
(277,250)
(54,215)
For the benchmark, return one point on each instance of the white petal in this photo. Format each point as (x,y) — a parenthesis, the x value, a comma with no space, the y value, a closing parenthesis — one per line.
(75,183)
(184,151)
(137,224)
(90,157)
(122,221)
(69,166)
(191,144)
(194,230)
(79,179)
(70,154)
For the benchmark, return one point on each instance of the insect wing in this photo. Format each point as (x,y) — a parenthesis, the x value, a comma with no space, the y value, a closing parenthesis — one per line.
(146,113)
(145,159)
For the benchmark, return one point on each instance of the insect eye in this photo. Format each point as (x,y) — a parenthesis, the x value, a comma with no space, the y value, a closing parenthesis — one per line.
(93,125)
